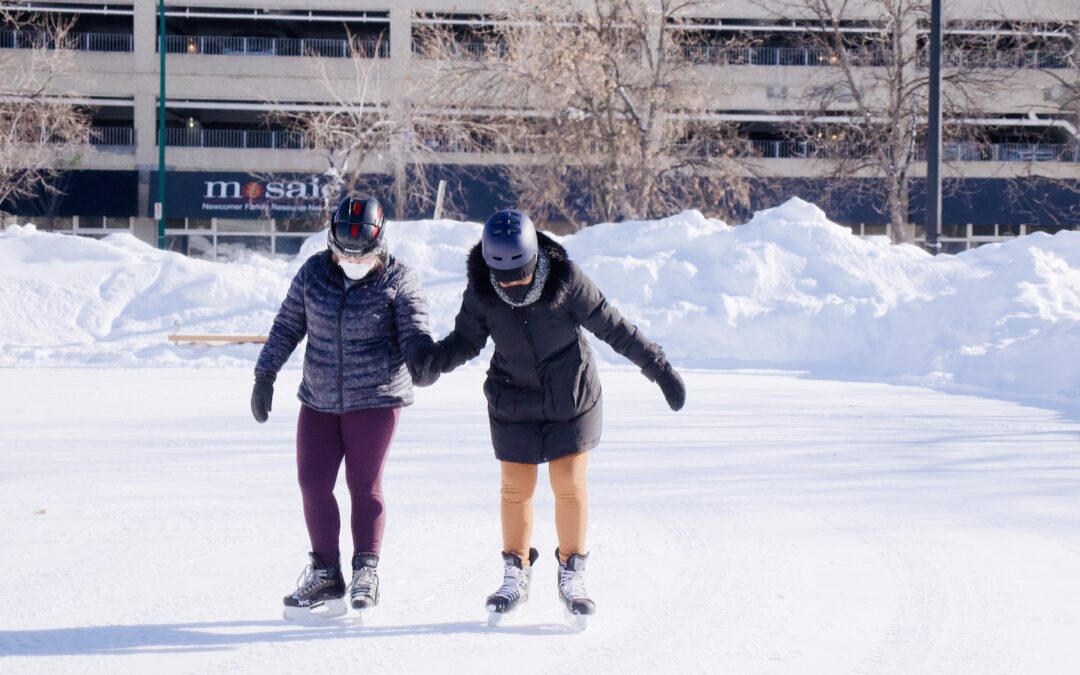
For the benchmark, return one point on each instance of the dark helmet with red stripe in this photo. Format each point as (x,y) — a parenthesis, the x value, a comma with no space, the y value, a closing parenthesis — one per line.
(356,228)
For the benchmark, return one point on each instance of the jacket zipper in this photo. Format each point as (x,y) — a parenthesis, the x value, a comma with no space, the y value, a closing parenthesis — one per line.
(341,346)
(341,338)
(523,313)
(341,351)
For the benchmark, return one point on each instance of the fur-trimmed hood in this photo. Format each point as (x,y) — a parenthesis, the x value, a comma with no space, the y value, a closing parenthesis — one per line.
(558,283)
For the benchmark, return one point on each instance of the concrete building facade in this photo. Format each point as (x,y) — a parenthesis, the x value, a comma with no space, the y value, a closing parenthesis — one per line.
(231,62)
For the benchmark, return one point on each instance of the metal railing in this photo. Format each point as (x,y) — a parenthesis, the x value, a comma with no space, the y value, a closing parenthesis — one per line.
(954,152)
(87,42)
(473,50)
(778,56)
(759,149)
(112,136)
(1020,59)
(274,46)
(102,136)
(236,138)
(1006,152)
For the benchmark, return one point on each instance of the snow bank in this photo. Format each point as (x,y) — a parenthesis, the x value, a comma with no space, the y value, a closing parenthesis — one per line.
(789,289)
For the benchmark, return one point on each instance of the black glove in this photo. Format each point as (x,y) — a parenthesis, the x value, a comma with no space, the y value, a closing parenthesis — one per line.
(673,387)
(262,396)
(661,372)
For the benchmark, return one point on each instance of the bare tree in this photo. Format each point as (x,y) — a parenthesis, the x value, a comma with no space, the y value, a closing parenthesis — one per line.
(601,115)
(866,109)
(371,127)
(39,132)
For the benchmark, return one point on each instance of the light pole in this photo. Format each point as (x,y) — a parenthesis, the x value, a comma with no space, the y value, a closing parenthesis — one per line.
(933,135)
(159,207)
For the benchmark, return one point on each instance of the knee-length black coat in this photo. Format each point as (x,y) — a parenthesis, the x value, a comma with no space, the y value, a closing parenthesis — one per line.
(542,388)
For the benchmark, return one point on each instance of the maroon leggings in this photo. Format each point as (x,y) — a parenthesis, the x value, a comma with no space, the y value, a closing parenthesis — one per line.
(362,439)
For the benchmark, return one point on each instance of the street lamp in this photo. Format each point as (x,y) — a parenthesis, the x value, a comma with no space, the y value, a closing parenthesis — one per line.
(159,207)
(932,223)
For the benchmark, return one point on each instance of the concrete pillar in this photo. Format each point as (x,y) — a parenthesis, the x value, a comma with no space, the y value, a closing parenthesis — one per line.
(145,25)
(145,113)
(146,129)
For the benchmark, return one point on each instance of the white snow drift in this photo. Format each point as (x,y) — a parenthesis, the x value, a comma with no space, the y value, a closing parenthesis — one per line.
(789,289)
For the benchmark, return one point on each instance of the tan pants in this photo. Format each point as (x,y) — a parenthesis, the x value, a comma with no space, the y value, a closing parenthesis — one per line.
(567,476)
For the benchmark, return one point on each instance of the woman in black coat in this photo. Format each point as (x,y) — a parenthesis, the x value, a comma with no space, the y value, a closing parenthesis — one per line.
(542,388)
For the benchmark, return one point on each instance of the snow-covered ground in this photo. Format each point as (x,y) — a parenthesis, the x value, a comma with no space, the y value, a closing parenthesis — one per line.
(787,290)
(776,525)
(830,518)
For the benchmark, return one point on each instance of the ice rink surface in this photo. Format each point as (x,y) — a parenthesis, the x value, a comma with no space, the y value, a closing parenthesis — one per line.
(776,525)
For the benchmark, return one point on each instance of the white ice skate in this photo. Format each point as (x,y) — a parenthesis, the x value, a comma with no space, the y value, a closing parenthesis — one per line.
(577,606)
(364,588)
(505,604)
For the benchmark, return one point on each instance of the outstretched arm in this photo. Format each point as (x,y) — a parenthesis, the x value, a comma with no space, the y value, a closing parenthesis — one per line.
(591,309)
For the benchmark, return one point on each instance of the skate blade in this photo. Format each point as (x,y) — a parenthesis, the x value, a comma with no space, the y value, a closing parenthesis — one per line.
(330,609)
(575,622)
(364,615)
(496,619)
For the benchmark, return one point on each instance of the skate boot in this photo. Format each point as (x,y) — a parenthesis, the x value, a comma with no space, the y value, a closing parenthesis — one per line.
(364,589)
(320,592)
(576,602)
(505,603)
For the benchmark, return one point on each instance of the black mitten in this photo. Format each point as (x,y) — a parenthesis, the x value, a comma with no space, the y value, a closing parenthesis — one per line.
(673,387)
(429,371)
(661,372)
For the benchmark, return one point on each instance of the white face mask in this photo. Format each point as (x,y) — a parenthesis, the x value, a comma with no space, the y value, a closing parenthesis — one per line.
(355,271)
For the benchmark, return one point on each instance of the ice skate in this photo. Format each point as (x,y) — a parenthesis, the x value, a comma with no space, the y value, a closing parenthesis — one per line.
(319,594)
(364,588)
(575,599)
(506,603)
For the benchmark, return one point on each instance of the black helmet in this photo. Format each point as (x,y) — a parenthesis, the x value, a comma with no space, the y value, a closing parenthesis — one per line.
(356,228)
(509,245)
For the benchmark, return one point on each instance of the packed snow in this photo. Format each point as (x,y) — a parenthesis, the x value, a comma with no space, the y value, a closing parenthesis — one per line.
(787,290)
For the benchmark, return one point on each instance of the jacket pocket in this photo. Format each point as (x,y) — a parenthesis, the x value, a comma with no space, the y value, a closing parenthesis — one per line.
(513,404)
(567,390)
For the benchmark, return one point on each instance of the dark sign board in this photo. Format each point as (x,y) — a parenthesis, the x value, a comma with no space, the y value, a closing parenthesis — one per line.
(83,193)
(192,194)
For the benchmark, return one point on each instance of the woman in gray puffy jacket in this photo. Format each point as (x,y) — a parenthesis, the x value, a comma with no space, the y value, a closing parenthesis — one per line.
(366,323)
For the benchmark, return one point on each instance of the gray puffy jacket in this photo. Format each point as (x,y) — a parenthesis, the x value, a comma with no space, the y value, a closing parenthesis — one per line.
(364,338)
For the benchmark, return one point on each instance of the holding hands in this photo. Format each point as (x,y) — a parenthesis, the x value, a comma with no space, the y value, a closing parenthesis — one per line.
(433,364)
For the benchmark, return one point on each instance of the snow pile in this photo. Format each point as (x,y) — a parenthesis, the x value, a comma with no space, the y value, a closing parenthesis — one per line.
(79,300)
(789,289)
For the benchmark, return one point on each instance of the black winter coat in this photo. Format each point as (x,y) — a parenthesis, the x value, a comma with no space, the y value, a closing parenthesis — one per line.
(364,337)
(542,388)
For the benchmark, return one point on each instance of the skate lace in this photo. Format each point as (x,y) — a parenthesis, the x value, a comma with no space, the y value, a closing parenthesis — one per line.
(572,584)
(513,582)
(363,580)
(309,580)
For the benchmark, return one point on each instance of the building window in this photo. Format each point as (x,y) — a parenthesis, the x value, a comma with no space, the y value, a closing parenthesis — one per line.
(231,238)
